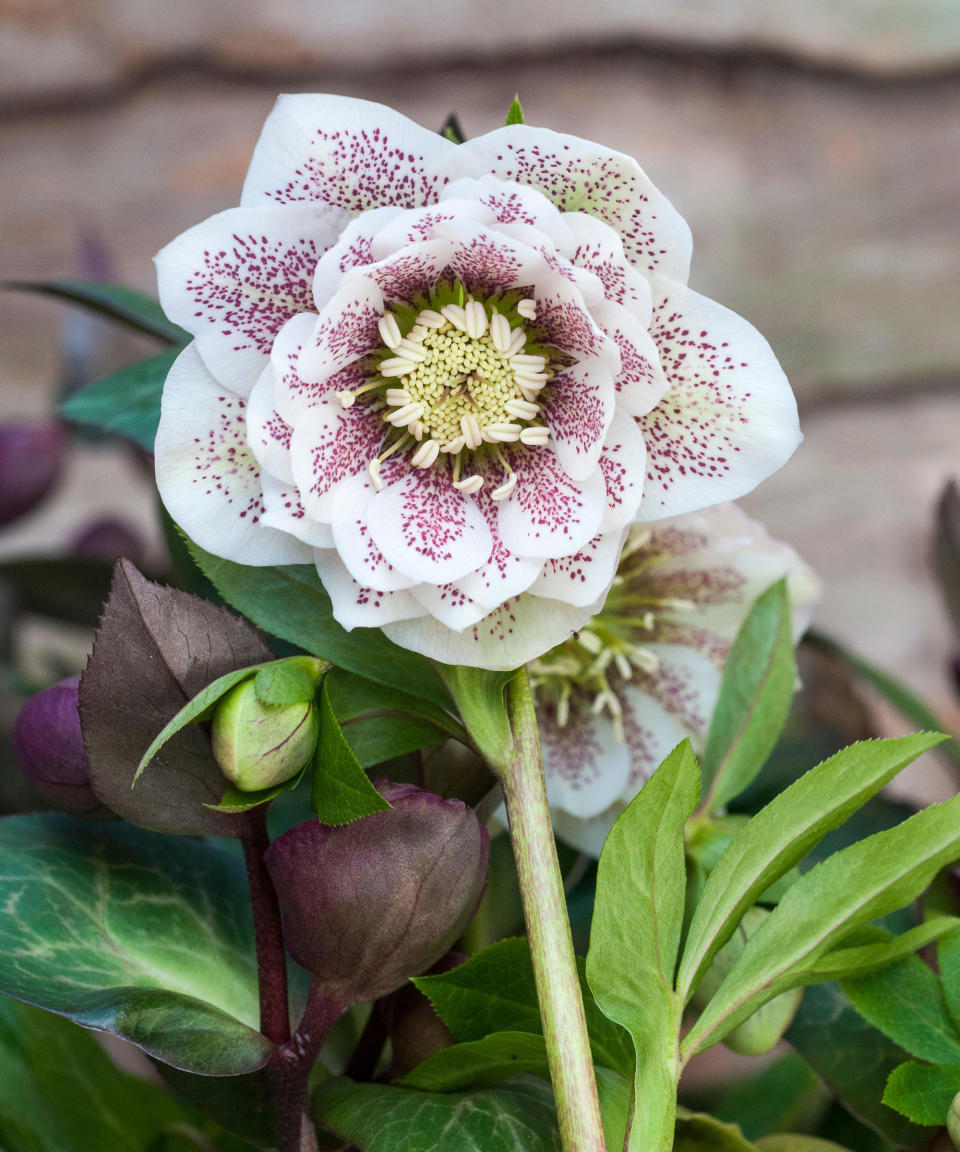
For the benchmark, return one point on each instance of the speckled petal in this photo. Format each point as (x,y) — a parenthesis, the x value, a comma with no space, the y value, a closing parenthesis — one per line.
(518,631)
(353,249)
(236,279)
(349,153)
(449,604)
(585,577)
(345,331)
(285,512)
(599,250)
(585,766)
(728,419)
(427,529)
(578,408)
(549,514)
(329,444)
(565,321)
(293,395)
(358,607)
(623,463)
(640,383)
(359,553)
(685,685)
(268,434)
(505,574)
(514,209)
(208,478)
(580,176)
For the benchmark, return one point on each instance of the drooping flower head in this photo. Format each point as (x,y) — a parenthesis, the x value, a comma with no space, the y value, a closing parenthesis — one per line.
(451,376)
(645,672)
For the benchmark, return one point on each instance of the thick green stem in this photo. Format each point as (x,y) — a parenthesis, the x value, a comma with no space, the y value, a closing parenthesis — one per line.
(548,928)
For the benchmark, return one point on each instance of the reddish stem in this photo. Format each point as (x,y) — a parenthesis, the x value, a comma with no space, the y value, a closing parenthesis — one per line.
(271,957)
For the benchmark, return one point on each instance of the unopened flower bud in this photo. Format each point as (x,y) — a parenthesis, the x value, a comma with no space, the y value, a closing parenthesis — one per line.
(30,459)
(259,745)
(416,1031)
(48,743)
(367,905)
(109,538)
(761,1031)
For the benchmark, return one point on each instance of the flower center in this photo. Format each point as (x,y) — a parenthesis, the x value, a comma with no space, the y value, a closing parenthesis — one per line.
(459,381)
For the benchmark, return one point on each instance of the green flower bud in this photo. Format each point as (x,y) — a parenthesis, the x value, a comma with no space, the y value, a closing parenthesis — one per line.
(259,745)
(953,1121)
(761,1031)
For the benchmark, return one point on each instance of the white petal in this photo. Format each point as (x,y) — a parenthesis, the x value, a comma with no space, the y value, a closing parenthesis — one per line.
(728,419)
(268,434)
(585,764)
(285,512)
(585,577)
(208,478)
(449,604)
(566,321)
(580,176)
(578,408)
(599,250)
(349,153)
(623,463)
(517,631)
(236,279)
(345,331)
(427,529)
(549,514)
(685,685)
(353,249)
(351,534)
(291,393)
(358,607)
(329,444)
(641,382)
(513,209)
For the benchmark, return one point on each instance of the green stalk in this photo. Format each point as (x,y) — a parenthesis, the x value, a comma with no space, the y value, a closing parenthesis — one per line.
(548,928)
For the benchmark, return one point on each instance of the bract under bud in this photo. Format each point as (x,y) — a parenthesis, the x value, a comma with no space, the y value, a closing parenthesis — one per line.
(259,745)
(49,745)
(369,904)
(761,1031)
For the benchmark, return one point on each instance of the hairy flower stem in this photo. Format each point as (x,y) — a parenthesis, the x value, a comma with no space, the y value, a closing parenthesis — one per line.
(288,1072)
(548,928)
(271,956)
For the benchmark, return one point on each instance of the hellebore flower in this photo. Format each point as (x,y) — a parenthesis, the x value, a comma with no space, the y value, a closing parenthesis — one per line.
(369,904)
(645,672)
(451,376)
(48,743)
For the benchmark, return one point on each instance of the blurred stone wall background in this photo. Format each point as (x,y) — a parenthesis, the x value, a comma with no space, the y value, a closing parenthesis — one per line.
(814,147)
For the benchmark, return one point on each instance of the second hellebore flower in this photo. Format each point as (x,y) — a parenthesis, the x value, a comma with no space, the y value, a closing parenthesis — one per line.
(645,672)
(451,376)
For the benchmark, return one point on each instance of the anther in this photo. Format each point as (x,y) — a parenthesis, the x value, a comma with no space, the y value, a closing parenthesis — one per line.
(430,318)
(624,667)
(476,319)
(535,434)
(527,309)
(502,432)
(471,431)
(522,409)
(469,484)
(505,489)
(396,366)
(346,399)
(517,340)
(455,445)
(426,454)
(500,333)
(397,396)
(411,350)
(373,471)
(406,415)
(528,360)
(456,315)
(389,330)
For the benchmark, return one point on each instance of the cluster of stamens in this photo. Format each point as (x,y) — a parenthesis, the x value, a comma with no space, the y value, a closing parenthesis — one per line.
(459,379)
(616,639)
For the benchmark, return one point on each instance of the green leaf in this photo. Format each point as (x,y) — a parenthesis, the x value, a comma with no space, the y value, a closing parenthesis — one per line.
(495,991)
(63,1093)
(852,1058)
(948,961)
(756,692)
(480,1063)
(923,1093)
(132,933)
(126,402)
(290,602)
(614,1092)
(781,834)
(125,305)
(290,681)
(638,913)
(898,694)
(906,1003)
(518,1116)
(796,1142)
(515,115)
(859,961)
(235,800)
(839,895)
(779,1097)
(342,791)
(479,696)
(698,1132)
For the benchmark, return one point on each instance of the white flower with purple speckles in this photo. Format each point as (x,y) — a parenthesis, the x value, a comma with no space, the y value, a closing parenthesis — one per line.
(451,376)
(645,672)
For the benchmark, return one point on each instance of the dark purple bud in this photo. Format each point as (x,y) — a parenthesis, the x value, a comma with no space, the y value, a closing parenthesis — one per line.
(49,746)
(109,539)
(30,457)
(369,904)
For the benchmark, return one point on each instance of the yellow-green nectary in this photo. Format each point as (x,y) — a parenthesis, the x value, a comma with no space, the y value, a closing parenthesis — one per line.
(259,745)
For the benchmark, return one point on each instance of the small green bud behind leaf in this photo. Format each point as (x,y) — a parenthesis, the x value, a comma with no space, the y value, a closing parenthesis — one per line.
(953,1121)
(760,1032)
(259,745)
